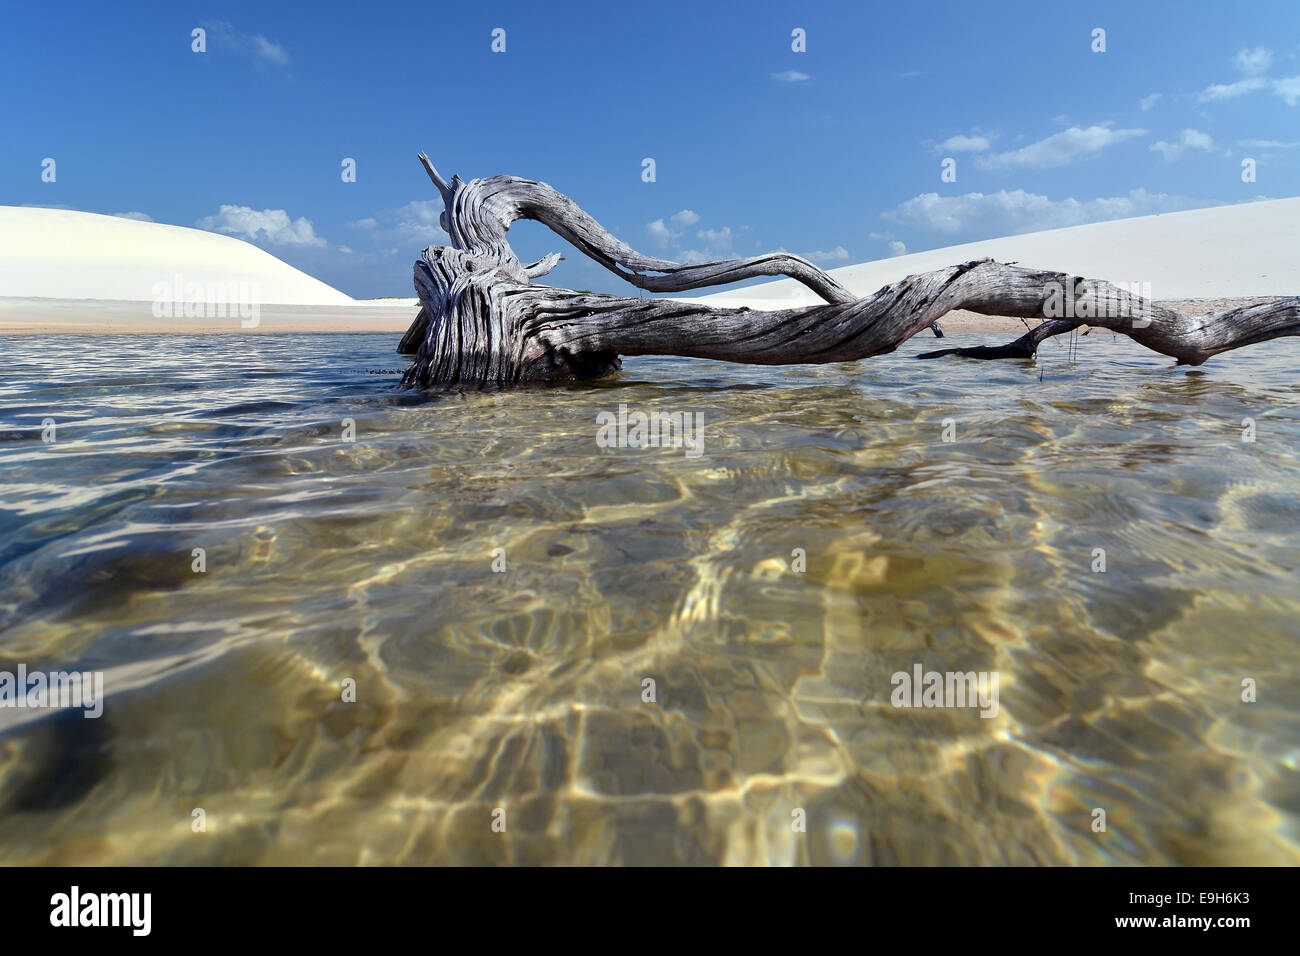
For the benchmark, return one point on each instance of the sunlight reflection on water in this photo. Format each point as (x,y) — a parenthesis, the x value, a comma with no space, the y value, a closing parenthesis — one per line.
(522,690)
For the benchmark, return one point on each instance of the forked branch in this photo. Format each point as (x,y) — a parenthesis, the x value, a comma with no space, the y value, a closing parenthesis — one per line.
(482,321)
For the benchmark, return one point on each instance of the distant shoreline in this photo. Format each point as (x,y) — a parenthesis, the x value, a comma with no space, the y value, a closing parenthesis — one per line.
(30,316)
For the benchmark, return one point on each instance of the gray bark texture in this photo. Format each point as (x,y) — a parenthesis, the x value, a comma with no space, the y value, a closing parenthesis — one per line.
(482,321)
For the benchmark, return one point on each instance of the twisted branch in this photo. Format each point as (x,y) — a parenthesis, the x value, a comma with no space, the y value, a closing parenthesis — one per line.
(482,321)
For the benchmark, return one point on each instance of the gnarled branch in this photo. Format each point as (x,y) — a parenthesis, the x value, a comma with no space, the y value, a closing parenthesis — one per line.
(482,321)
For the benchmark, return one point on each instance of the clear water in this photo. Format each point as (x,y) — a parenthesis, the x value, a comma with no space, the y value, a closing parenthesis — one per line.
(522,691)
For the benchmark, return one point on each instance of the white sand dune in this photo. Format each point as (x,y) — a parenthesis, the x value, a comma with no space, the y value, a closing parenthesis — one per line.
(1240,251)
(66,271)
(65,254)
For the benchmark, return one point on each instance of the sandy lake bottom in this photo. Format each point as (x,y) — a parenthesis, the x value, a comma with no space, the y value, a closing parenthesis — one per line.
(948,514)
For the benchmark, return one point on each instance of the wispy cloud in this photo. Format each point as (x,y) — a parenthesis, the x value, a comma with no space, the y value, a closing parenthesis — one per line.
(1060,149)
(980,216)
(255,46)
(1189,139)
(665,235)
(717,245)
(1218,92)
(669,235)
(413,226)
(269,52)
(963,144)
(1148,102)
(838,254)
(716,236)
(1289,89)
(1252,62)
(791,76)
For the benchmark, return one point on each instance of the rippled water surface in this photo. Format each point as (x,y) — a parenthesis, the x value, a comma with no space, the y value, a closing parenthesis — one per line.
(522,691)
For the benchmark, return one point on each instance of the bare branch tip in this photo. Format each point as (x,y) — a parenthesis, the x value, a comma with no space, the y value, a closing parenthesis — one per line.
(433,174)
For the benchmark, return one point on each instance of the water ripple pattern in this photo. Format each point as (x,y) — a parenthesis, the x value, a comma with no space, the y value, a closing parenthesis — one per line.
(842,525)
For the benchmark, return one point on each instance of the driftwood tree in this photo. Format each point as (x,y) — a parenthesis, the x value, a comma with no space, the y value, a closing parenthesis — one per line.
(483,322)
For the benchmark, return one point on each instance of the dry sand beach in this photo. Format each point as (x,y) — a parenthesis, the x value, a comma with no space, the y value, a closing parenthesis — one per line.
(36,316)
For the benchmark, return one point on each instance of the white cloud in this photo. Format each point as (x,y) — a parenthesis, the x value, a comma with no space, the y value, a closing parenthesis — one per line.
(1217,92)
(1289,89)
(1060,149)
(838,254)
(660,232)
(1253,61)
(370,222)
(1266,144)
(964,144)
(717,245)
(897,248)
(269,225)
(665,235)
(717,242)
(977,215)
(791,76)
(1190,139)
(138,216)
(1148,102)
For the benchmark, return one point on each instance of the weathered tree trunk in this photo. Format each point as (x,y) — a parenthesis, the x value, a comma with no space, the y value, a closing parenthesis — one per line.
(482,321)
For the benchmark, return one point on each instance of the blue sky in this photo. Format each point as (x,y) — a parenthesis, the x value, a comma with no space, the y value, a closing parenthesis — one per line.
(834,153)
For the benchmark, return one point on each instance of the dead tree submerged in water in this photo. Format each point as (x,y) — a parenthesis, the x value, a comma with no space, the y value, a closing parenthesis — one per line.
(483,323)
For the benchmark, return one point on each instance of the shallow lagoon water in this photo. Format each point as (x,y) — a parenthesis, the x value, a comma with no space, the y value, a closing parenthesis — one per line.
(522,691)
